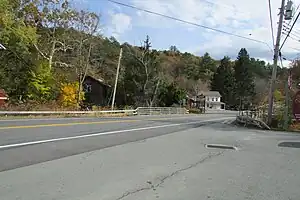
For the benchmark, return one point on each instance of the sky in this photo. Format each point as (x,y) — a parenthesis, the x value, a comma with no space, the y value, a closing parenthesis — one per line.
(246,18)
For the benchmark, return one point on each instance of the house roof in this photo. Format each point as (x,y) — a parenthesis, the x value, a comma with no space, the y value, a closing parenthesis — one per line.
(212,93)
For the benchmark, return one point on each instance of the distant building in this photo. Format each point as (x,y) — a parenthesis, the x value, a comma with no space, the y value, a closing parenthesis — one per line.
(213,100)
(96,91)
(209,100)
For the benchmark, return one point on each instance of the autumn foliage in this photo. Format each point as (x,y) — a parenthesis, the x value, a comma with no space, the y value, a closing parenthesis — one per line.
(69,94)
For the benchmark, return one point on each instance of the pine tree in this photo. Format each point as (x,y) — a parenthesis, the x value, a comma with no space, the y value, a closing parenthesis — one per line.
(223,81)
(244,79)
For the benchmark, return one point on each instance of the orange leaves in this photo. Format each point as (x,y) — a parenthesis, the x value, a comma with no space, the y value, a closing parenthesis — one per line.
(69,94)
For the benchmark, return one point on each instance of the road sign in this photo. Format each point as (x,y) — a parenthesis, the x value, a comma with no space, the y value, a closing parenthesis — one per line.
(296,106)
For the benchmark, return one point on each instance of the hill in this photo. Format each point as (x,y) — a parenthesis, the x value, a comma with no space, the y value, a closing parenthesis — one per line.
(51,47)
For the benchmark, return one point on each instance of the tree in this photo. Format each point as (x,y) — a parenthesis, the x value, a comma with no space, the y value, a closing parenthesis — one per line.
(223,81)
(18,60)
(259,68)
(245,87)
(170,94)
(142,73)
(82,40)
(57,18)
(208,63)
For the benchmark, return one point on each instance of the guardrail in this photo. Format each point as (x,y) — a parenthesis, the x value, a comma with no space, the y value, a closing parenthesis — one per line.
(212,111)
(64,112)
(161,110)
(138,111)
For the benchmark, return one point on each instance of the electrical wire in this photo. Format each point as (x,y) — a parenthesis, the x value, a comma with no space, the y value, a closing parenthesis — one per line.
(190,23)
(290,31)
(292,35)
(297,31)
(271,23)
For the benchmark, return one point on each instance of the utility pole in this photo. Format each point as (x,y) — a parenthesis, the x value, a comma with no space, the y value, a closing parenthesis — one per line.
(116,81)
(275,60)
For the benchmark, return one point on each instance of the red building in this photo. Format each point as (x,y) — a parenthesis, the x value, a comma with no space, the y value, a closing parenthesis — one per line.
(3,97)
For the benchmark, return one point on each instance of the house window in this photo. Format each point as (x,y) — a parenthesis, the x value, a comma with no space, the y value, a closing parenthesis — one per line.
(212,99)
(87,87)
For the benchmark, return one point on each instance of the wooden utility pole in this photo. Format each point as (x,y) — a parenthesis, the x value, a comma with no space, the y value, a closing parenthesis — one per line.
(116,81)
(275,60)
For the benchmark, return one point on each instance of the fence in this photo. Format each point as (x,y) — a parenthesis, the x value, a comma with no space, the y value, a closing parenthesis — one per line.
(138,111)
(260,114)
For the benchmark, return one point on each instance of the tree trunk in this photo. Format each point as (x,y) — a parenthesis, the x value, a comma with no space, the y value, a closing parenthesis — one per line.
(155,93)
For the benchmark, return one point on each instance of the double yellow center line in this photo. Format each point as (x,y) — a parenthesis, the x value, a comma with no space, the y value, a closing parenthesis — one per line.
(82,123)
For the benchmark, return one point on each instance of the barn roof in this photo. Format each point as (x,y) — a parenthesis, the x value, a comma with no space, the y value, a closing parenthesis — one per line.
(100,80)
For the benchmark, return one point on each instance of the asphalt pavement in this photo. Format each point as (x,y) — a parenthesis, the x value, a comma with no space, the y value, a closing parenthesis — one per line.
(29,141)
(153,157)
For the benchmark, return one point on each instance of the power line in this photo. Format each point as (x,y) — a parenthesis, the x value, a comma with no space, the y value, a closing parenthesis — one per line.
(293,33)
(295,39)
(271,23)
(290,30)
(190,23)
(289,26)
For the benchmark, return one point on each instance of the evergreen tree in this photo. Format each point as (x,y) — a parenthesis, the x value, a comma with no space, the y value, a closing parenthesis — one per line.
(244,79)
(223,81)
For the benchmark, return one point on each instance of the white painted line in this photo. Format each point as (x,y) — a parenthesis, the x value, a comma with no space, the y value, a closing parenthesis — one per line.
(104,133)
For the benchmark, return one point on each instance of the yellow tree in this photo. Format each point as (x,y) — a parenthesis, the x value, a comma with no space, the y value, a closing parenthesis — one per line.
(69,94)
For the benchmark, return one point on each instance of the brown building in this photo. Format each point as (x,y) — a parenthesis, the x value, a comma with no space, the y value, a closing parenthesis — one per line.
(96,91)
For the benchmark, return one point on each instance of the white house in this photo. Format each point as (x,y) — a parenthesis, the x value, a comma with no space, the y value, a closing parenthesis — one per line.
(213,101)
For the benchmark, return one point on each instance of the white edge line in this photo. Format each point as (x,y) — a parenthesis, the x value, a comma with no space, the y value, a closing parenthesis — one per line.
(104,133)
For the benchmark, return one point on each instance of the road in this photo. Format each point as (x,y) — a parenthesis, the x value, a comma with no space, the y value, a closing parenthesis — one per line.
(154,157)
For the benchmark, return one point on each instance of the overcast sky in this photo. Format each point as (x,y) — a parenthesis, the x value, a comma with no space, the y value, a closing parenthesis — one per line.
(242,17)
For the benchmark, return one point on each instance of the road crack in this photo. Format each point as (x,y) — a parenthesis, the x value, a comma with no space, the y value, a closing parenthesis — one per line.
(162,180)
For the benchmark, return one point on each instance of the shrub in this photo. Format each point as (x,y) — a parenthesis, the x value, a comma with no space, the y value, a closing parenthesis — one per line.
(69,95)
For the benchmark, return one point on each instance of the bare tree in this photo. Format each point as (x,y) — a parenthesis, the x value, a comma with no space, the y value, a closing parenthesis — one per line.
(145,73)
(83,43)
(58,17)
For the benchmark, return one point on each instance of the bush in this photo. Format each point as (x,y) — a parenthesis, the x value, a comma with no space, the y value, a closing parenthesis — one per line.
(35,106)
(195,111)
(295,126)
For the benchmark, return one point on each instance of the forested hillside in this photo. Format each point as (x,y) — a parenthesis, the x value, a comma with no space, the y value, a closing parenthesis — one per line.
(51,47)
